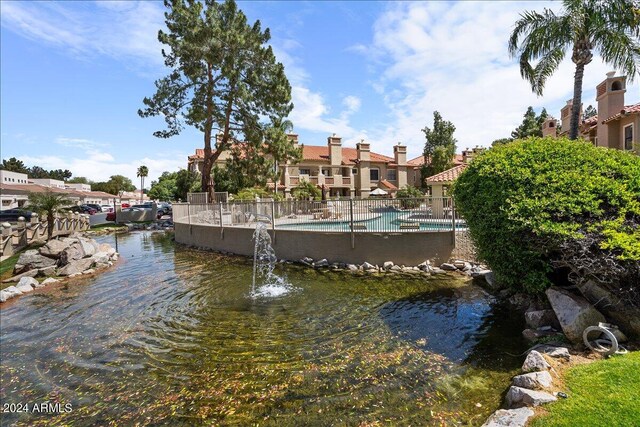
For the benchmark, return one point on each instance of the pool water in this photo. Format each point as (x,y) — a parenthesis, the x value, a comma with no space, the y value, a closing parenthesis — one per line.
(170,336)
(383,222)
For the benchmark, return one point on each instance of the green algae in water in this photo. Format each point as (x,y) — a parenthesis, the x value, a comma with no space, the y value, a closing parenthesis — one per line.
(170,337)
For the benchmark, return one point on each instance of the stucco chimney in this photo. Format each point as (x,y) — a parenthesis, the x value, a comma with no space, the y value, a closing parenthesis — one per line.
(550,127)
(565,117)
(610,97)
(293,139)
(400,154)
(335,150)
(364,151)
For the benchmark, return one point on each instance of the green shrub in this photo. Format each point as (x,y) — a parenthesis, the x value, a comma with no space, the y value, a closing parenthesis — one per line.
(540,203)
(306,191)
(252,193)
(408,196)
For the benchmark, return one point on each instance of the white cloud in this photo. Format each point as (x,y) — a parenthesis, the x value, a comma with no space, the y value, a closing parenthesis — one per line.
(352,103)
(453,58)
(124,30)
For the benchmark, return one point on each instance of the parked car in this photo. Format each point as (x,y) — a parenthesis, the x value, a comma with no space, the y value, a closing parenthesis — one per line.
(14,214)
(166,207)
(125,205)
(84,209)
(107,208)
(149,205)
(111,216)
(95,206)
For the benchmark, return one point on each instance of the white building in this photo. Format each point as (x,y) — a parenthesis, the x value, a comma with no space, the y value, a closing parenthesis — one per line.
(47,182)
(79,187)
(8,177)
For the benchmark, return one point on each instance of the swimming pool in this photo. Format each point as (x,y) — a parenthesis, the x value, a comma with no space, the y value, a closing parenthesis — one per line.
(386,222)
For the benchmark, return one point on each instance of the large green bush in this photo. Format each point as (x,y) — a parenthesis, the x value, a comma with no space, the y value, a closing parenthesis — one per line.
(543,203)
(409,196)
(306,191)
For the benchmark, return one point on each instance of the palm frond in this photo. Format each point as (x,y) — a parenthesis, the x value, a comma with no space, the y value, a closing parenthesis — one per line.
(545,68)
(619,49)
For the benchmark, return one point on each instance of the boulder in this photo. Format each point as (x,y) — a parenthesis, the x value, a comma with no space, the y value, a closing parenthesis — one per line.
(352,267)
(24,287)
(72,253)
(623,315)
(101,257)
(5,296)
(47,271)
(16,278)
(387,265)
(12,291)
(76,267)
(509,418)
(535,362)
(30,260)
(552,351)
(533,335)
(321,263)
(28,281)
(367,266)
(448,267)
(89,246)
(49,280)
(538,318)
(574,312)
(437,270)
(104,247)
(396,268)
(89,271)
(518,396)
(307,261)
(53,248)
(533,380)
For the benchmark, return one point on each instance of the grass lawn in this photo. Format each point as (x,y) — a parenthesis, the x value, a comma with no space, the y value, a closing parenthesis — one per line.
(6,269)
(603,393)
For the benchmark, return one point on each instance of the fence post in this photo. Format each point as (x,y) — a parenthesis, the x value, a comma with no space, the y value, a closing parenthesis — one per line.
(453,223)
(221,222)
(353,237)
(273,219)
(6,240)
(189,215)
(22,232)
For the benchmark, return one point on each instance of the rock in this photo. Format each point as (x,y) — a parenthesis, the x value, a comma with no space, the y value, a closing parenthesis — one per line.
(12,291)
(448,267)
(307,261)
(321,263)
(509,418)
(396,268)
(538,318)
(28,281)
(16,278)
(623,315)
(491,279)
(53,248)
(574,313)
(24,287)
(89,246)
(89,271)
(367,266)
(73,253)
(387,265)
(76,267)
(532,335)
(437,270)
(49,280)
(477,272)
(460,265)
(30,260)
(47,271)
(552,351)
(352,267)
(5,296)
(520,301)
(535,362)
(101,257)
(518,396)
(115,256)
(533,380)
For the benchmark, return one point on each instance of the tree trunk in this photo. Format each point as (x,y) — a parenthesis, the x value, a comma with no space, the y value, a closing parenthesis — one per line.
(49,225)
(577,101)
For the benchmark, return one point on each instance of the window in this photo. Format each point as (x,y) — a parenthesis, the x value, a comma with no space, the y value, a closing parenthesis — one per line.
(326,171)
(392,174)
(305,171)
(628,137)
(6,203)
(354,171)
(374,174)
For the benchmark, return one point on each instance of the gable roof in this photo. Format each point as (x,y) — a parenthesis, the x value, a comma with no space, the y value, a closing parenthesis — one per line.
(629,109)
(449,175)
(419,161)
(388,185)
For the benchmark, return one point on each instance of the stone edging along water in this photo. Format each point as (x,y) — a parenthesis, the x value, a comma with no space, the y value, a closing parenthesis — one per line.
(64,258)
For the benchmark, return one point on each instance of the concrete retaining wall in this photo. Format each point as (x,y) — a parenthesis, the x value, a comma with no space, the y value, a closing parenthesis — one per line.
(401,248)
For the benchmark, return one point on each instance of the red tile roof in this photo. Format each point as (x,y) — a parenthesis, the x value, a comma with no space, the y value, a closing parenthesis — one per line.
(449,175)
(419,161)
(629,109)
(388,185)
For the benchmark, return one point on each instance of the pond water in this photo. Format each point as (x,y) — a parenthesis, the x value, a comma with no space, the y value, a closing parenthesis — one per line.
(170,336)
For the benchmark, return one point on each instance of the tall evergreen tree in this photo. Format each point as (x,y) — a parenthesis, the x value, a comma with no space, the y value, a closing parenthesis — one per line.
(224,78)
(610,27)
(14,165)
(531,126)
(439,148)
(589,112)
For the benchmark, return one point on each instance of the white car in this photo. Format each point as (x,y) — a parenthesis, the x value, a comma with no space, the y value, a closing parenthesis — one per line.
(107,208)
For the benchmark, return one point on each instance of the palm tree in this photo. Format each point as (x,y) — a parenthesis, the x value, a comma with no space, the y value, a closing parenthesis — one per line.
(48,203)
(143,171)
(610,27)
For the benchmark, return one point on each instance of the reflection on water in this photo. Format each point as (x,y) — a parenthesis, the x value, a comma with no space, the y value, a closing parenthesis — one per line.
(169,337)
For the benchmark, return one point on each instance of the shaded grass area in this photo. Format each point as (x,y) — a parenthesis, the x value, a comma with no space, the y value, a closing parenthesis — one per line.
(6,269)
(603,393)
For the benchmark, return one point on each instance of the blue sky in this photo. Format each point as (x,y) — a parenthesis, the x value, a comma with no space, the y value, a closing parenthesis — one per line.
(73,75)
